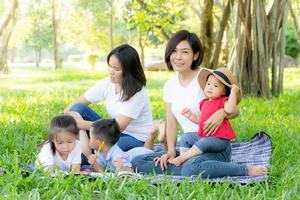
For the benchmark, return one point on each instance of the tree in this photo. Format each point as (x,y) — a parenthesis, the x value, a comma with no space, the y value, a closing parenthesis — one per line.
(259,43)
(41,32)
(6,30)
(55,43)
(154,20)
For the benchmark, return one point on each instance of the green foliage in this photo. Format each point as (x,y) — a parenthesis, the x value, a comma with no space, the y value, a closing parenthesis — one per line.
(29,98)
(40,30)
(92,59)
(157,19)
(292,46)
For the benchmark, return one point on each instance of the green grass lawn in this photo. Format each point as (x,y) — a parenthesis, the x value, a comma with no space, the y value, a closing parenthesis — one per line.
(29,98)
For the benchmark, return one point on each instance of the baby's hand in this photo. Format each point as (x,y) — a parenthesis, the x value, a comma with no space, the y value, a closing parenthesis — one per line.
(186,112)
(92,159)
(234,89)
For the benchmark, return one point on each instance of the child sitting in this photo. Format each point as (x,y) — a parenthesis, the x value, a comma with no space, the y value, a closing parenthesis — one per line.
(222,92)
(104,135)
(62,149)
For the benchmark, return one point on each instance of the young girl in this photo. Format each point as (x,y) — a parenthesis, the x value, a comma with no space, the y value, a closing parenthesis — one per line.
(104,135)
(62,149)
(221,91)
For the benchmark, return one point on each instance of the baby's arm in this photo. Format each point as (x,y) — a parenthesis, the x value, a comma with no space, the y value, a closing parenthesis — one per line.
(230,105)
(92,159)
(188,114)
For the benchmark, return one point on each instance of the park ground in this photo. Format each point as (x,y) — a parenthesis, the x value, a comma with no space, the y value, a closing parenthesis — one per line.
(30,97)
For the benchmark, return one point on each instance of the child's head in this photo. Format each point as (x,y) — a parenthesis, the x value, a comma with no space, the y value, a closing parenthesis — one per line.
(216,83)
(104,130)
(63,131)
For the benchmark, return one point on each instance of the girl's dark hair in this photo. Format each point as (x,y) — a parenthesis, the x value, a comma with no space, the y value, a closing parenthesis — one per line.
(107,130)
(133,74)
(192,39)
(61,123)
(227,89)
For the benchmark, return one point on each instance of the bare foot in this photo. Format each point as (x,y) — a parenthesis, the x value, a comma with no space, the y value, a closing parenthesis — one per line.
(177,161)
(257,170)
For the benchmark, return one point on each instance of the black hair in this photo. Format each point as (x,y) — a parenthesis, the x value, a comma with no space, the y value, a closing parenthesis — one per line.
(227,89)
(61,123)
(133,74)
(192,39)
(107,130)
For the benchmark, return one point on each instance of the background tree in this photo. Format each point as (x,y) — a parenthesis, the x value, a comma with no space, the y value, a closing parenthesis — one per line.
(154,20)
(57,63)
(40,30)
(6,30)
(259,43)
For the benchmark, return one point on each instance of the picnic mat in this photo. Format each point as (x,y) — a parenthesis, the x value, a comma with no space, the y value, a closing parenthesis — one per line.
(256,151)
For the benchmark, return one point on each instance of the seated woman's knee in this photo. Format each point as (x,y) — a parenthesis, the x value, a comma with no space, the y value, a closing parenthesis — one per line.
(79,107)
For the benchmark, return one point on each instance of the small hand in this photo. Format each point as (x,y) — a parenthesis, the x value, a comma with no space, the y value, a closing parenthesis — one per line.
(118,164)
(92,159)
(234,89)
(186,112)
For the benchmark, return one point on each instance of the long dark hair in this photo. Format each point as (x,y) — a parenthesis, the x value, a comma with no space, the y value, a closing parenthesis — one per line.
(133,74)
(192,39)
(58,124)
(107,130)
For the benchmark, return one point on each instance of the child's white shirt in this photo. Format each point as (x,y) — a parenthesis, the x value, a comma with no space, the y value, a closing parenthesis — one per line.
(46,157)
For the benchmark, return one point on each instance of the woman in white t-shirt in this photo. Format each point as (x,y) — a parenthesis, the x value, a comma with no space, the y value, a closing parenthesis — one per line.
(184,53)
(126,99)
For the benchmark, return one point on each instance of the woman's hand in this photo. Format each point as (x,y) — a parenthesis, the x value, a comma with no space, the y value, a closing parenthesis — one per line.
(164,159)
(213,123)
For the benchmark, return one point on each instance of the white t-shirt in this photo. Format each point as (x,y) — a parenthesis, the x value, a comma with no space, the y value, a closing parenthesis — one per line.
(184,97)
(137,107)
(46,157)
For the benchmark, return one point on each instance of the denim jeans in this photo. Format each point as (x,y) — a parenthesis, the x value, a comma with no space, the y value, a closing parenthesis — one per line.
(126,142)
(211,165)
(203,144)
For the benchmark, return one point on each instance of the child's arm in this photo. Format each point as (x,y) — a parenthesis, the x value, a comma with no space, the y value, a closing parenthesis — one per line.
(188,114)
(92,159)
(120,167)
(230,105)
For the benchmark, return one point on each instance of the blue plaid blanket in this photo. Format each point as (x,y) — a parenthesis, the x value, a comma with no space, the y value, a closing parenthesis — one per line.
(256,151)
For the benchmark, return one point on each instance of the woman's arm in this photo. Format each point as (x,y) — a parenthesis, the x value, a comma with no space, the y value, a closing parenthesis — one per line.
(123,121)
(81,123)
(81,99)
(85,143)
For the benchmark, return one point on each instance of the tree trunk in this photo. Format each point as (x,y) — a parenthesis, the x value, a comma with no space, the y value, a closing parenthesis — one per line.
(142,48)
(296,20)
(218,41)
(38,53)
(206,30)
(55,45)
(259,43)
(6,30)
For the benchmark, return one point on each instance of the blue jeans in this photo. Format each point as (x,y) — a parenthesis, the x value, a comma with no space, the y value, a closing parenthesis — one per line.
(126,142)
(203,144)
(211,165)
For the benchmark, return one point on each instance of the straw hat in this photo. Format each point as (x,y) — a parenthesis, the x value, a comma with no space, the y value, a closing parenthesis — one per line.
(223,74)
